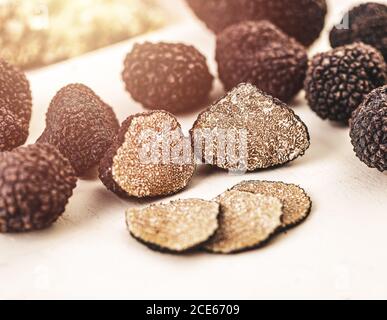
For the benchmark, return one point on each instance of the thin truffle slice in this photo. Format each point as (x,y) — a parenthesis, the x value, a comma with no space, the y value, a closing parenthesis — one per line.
(150,157)
(249,130)
(175,227)
(81,126)
(297,204)
(246,221)
(36,183)
(259,53)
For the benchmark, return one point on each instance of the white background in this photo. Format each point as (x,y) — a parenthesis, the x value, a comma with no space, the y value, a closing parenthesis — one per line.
(340,252)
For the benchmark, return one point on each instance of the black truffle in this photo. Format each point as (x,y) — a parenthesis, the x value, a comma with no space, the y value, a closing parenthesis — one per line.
(15,107)
(166,76)
(259,53)
(366,23)
(36,183)
(369,130)
(301,19)
(337,81)
(81,126)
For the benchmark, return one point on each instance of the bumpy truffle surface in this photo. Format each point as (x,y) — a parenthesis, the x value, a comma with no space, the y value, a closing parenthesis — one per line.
(81,126)
(366,23)
(369,130)
(166,76)
(301,19)
(150,157)
(249,130)
(261,54)
(338,80)
(15,107)
(36,183)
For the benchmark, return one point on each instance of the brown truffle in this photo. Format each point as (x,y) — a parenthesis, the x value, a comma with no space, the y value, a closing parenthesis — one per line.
(297,204)
(81,126)
(301,19)
(176,227)
(261,54)
(36,183)
(246,221)
(249,130)
(150,157)
(166,76)
(15,107)
(338,80)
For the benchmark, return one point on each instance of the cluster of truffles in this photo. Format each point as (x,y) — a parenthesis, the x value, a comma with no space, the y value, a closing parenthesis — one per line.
(243,218)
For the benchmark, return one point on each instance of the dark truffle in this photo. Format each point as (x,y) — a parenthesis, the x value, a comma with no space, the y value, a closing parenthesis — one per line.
(261,54)
(338,80)
(81,126)
(166,76)
(36,183)
(366,23)
(301,19)
(369,130)
(15,107)
(150,157)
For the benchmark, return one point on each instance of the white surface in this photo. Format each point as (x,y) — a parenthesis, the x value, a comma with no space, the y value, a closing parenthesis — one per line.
(340,252)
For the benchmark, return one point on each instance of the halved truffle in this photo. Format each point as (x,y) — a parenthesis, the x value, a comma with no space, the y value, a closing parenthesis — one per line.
(246,221)
(150,157)
(176,227)
(369,130)
(338,80)
(81,126)
(167,76)
(249,130)
(258,52)
(36,183)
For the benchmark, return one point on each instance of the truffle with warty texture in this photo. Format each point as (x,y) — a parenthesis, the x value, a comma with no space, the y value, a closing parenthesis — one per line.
(338,80)
(258,52)
(36,183)
(167,76)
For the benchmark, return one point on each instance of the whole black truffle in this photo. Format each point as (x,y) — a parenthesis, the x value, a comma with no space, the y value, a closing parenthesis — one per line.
(301,19)
(15,107)
(259,53)
(369,130)
(338,80)
(366,23)
(36,183)
(81,126)
(166,76)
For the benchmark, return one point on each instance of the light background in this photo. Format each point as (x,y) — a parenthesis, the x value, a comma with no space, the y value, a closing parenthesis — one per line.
(340,252)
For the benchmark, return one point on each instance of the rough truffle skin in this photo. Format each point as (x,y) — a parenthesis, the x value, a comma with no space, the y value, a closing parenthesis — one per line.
(36,183)
(301,19)
(368,24)
(15,107)
(369,130)
(261,54)
(81,126)
(337,81)
(166,76)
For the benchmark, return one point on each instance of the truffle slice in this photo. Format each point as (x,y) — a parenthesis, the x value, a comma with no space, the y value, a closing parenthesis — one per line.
(366,23)
(369,130)
(246,221)
(338,80)
(175,227)
(297,204)
(150,157)
(167,76)
(81,126)
(301,19)
(259,53)
(36,183)
(15,107)
(249,130)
